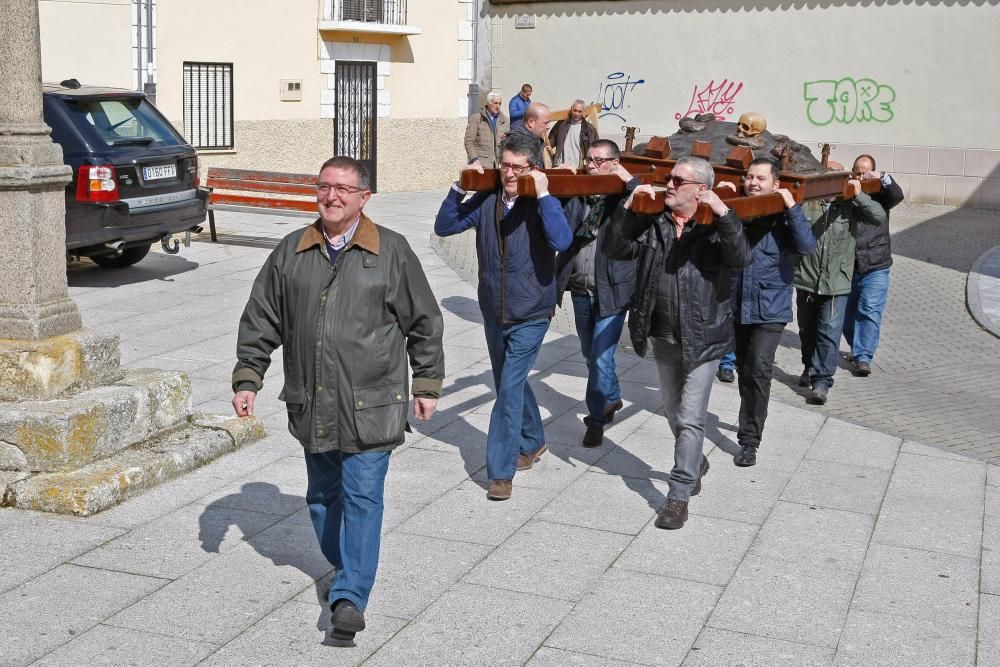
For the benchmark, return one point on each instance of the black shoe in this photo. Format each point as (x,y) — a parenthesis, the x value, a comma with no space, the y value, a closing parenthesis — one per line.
(610,411)
(594,437)
(862,369)
(747,456)
(704,470)
(817,396)
(347,620)
(805,380)
(727,375)
(672,515)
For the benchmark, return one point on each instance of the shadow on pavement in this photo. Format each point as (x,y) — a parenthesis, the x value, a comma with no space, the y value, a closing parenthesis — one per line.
(156,266)
(953,240)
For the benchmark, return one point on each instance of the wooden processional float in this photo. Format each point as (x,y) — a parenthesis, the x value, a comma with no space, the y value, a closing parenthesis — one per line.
(729,147)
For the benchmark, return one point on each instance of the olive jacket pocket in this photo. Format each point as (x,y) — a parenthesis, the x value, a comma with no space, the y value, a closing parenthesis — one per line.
(380,414)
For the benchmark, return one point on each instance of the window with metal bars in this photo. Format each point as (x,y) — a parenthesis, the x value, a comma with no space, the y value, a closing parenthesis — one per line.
(391,12)
(208,104)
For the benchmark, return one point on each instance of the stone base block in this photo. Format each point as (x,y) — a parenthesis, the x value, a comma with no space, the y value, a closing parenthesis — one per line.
(43,369)
(62,434)
(107,482)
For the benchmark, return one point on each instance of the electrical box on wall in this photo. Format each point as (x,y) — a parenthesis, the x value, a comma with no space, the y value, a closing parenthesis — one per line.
(291,90)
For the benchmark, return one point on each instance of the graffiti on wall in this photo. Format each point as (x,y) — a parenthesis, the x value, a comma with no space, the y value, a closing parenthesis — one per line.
(715,98)
(614,92)
(848,101)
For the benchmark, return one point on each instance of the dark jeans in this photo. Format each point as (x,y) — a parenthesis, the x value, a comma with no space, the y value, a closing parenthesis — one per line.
(821,321)
(755,348)
(598,343)
(344,495)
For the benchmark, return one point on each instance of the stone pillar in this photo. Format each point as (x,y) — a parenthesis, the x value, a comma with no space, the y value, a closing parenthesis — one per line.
(34,299)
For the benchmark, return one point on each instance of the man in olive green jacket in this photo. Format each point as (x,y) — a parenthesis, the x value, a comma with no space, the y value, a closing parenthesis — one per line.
(823,284)
(348,301)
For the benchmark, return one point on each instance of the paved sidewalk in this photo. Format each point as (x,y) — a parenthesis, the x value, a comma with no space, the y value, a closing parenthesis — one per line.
(843,546)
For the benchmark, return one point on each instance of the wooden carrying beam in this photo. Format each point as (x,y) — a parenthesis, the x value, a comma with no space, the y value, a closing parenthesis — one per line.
(472,180)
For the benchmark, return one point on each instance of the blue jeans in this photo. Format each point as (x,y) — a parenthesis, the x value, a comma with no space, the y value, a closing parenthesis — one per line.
(344,495)
(821,321)
(863,320)
(598,343)
(728,361)
(515,423)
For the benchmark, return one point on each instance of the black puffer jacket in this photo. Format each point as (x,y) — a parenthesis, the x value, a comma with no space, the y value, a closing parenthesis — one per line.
(710,252)
(874,250)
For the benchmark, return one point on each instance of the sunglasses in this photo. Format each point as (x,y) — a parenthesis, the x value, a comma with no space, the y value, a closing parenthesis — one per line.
(678,181)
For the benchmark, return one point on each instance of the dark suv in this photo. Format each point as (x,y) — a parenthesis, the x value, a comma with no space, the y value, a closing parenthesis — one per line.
(135,178)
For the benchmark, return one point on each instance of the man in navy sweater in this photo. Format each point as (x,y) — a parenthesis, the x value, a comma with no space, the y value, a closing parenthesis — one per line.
(516,242)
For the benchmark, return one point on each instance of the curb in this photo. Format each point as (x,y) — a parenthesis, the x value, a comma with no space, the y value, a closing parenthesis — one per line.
(972,292)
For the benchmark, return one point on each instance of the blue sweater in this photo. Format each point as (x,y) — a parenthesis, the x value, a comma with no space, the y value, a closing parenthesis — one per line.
(517,253)
(762,292)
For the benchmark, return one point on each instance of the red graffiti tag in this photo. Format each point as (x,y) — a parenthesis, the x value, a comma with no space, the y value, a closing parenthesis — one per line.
(715,98)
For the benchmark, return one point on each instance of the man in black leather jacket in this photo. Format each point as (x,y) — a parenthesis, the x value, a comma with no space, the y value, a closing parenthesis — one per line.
(683,303)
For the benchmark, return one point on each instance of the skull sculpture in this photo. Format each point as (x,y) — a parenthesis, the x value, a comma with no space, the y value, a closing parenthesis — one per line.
(751,124)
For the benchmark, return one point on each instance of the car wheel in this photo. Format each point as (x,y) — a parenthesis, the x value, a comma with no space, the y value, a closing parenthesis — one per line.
(128,257)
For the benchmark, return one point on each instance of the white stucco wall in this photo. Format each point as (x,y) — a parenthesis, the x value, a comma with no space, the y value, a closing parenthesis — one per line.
(925,68)
(86,40)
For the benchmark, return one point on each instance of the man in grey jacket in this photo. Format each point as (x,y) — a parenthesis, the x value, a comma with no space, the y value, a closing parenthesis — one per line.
(348,302)
(484,133)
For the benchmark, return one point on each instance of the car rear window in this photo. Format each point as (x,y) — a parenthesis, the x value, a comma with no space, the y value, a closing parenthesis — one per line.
(122,122)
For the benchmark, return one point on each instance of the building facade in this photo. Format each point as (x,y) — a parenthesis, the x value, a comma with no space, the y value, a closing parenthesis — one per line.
(906,82)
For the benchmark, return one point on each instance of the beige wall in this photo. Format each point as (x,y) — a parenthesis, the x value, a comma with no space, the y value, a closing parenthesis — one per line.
(87,40)
(931,58)
(266,42)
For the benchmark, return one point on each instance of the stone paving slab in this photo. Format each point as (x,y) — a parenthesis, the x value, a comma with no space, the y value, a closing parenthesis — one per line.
(832,546)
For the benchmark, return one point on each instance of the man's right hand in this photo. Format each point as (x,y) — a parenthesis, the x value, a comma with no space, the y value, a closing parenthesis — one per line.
(622,173)
(646,188)
(243,403)
(855,186)
(786,195)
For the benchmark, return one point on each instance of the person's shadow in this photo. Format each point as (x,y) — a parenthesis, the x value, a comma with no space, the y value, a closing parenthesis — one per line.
(287,542)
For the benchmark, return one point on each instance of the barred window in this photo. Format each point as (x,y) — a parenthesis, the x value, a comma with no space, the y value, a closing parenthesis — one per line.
(208,104)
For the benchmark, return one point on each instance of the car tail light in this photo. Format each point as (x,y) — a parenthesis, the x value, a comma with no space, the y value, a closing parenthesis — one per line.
(96,183)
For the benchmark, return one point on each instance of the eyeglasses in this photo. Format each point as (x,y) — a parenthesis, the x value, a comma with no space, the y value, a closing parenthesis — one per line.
(598,161)
(678,181)
(341,189)
(517,169)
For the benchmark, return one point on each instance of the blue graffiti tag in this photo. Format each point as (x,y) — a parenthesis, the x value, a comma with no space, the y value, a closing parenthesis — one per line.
(613,91)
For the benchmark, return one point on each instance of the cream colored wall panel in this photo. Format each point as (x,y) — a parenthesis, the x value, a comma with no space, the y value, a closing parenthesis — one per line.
(962,190)
(911,159)
(982,163)
(925,189)
(89,41)
(831,72)
(946,161)
(989,193)
(265,43)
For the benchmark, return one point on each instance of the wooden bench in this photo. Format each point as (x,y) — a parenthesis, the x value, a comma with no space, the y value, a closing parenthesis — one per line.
(272,184)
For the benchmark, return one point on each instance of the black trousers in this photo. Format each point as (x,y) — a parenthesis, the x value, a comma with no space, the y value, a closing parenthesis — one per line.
(755,348)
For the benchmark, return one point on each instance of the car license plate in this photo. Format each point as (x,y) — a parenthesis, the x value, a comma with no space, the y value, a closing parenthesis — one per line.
(158,172)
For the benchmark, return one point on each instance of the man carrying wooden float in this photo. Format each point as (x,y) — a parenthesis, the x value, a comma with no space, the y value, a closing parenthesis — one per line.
(601,288)
(683,304)
(762,300)
(823,283)
(517,238)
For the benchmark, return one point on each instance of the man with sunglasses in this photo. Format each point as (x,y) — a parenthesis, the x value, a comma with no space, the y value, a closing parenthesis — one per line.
(516,242)
(683,304)
(601,288)
(348,302)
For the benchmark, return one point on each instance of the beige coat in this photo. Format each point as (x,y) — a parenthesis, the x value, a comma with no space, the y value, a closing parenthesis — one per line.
(480,139)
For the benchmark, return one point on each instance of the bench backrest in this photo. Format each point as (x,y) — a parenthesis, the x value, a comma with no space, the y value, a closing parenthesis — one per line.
(265,182)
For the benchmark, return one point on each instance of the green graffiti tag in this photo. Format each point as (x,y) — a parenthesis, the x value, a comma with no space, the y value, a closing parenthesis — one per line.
(848,101)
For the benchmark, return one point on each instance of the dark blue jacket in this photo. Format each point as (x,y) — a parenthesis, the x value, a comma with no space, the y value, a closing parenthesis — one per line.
(762,292)
(517,251)
(614,278)
(516,107)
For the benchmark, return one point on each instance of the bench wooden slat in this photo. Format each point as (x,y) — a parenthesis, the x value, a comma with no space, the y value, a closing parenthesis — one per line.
(262,176)
(259,186)
(261,202)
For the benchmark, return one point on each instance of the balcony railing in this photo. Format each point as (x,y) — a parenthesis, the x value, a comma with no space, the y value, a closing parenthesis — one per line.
(375,16)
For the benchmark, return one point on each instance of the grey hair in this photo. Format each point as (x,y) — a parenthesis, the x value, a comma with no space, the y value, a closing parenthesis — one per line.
(703,172)
(494,97)
(580,102)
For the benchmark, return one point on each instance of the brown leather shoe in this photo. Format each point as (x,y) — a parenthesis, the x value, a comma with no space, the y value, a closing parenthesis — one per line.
(500,489)
(610,411)
(672,515)
(525,461)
